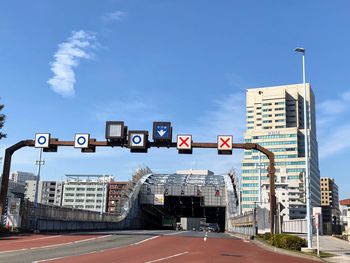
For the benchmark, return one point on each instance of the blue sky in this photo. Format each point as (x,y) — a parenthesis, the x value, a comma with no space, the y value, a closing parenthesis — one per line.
(68,66)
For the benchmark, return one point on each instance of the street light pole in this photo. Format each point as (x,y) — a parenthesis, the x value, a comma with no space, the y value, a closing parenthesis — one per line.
(39,162)
(307,174)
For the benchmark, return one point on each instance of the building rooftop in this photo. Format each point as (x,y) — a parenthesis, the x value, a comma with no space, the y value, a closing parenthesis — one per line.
(345,202)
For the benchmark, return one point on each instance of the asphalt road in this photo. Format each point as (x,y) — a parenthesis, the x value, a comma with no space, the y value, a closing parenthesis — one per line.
(137,246)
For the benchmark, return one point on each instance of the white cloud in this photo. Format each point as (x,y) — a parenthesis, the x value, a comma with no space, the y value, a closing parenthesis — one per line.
(337,140)
(336,106)
(114,16)
(67,57)
(228,117)
(334,137)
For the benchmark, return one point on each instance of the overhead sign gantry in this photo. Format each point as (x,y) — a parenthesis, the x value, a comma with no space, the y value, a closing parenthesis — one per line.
(117,134)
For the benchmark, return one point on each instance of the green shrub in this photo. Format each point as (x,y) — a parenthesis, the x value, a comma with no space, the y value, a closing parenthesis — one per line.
(287,241)
(266,236)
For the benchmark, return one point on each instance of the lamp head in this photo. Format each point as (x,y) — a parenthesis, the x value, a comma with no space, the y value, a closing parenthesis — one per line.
(300,49)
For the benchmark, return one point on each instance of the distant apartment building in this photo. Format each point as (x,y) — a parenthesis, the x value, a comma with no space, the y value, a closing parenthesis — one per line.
(330,205)
(21,177)
(329,193)
(114,195)
(15,190)
(49,192)
(86,192)
(274,119)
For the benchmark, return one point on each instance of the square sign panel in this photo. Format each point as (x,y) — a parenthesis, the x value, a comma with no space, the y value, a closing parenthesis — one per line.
(225,142)
(81,140)
(42,140)
(138,140)
(114,130)
(184,142)
(162,131)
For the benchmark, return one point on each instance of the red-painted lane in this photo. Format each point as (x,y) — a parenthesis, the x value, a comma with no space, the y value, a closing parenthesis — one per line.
(35,241)
(184,249)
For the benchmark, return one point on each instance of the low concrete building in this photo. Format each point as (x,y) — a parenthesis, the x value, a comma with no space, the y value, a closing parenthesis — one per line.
(87,192)
(49,192)
(346,203)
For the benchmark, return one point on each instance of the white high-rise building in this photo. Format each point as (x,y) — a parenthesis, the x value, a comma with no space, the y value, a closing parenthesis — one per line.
(275,121)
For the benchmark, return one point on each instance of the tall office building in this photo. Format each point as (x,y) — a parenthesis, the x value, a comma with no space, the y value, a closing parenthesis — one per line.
(275,121)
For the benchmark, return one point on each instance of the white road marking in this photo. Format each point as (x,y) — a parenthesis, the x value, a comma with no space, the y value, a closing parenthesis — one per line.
(145,240)
(39,238)
(176,233)
(165,258)
(54,245)
(44,260)
(96,251)
(16,250)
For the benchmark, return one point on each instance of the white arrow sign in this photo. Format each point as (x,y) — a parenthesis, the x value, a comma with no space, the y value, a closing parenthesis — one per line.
(161,132)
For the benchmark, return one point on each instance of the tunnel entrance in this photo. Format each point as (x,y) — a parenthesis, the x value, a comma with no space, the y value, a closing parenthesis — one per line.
(177,207)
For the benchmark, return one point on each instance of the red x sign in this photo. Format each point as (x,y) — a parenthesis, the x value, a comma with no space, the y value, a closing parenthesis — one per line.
(184,142)
(225,142)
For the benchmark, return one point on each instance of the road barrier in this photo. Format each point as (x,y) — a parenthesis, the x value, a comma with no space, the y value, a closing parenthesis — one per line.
(55,218)
(245,224)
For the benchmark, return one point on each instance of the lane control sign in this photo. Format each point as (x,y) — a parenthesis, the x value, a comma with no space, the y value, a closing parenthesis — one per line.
(225,143)
(138,141)
(162,131)
(81,140)
(42,140)
(184,142)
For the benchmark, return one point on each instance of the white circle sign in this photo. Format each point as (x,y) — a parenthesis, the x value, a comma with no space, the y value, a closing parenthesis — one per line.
(81,140)
(42,140)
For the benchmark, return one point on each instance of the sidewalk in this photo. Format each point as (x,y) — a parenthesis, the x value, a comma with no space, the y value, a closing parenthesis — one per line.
(336,246)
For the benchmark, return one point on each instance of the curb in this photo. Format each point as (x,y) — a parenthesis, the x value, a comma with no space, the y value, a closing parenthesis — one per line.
(286,252)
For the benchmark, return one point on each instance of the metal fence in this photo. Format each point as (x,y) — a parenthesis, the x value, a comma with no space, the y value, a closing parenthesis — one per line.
(244,224)
(295,226)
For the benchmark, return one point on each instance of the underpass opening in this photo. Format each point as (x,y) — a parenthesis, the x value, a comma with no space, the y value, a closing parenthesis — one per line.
(184,201)
(176,209)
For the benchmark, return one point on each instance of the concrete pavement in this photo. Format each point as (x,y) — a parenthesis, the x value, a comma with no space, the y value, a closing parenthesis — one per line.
(336,246)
